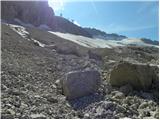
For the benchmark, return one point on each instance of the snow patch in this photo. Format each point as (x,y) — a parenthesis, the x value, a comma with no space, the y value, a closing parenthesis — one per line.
(137,42)
(20,30)
(23,33)
(100,43)
(83,41)
(76,23)
(39,43)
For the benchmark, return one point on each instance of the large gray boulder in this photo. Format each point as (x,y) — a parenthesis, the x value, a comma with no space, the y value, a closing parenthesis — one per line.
(80,83)
(93,55)
(68,49)
(140,76)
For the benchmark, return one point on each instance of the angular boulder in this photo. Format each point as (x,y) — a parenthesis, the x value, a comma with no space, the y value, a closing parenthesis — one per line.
(80,83)
(67,50)
(139,76)
(94,55)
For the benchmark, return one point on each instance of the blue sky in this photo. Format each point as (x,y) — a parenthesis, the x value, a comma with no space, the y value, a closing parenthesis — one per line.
(133,19)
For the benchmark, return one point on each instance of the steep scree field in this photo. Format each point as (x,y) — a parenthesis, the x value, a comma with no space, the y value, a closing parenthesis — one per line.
(35,61)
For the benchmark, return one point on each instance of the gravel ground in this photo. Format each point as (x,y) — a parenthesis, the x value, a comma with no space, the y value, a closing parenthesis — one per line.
(30,83)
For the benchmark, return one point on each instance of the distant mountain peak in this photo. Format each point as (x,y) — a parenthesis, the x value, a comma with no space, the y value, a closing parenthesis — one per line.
(149,41)
(103,35)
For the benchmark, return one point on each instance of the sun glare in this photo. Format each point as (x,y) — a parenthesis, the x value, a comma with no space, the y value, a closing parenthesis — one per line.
(56,4)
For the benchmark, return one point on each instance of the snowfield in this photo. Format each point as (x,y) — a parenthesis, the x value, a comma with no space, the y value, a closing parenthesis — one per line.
(100,43)
(87,42)
(20,30)
(24,33)
(81,40)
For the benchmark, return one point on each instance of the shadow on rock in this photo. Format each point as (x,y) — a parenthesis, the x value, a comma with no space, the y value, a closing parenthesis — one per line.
(81,103)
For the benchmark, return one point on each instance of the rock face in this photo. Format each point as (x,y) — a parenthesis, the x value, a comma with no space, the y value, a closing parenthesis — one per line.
(140,76)
(81,83)
(39,14)
(33,12)
(63,25)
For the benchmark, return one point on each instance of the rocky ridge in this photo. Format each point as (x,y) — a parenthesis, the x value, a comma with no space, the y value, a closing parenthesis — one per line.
(38,14)
(103,35)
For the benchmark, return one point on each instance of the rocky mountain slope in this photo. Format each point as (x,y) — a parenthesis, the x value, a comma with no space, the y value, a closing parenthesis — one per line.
(102,35)
(150,41)
(34,62)
(37,13)
(102,43)
(33,12)
(50,74)
(65,26)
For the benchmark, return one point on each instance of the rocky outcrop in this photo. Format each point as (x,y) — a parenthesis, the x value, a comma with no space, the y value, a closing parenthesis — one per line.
(38,14)
(140,76)
(65,26)
(94,55)
(95,32)
(148,41)
(66,50)
(102,35)
(80,83)
(33,12)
